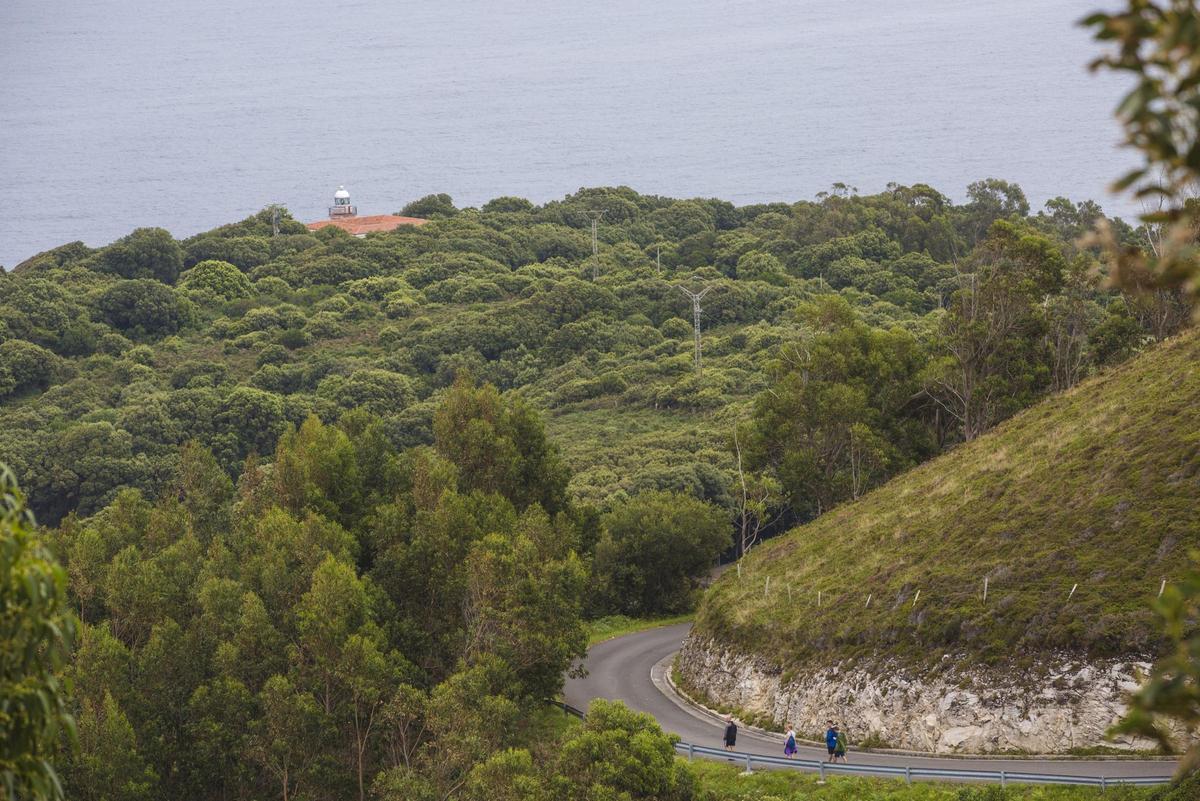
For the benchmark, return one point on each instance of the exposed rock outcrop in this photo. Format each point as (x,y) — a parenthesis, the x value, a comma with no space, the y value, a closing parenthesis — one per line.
(1067,706)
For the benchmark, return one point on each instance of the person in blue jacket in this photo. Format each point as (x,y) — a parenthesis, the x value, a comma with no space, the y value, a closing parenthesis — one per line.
(831,739)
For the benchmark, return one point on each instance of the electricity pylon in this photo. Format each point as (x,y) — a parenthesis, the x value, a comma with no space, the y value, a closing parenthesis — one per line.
(696,298)
(595,215)
(275,214)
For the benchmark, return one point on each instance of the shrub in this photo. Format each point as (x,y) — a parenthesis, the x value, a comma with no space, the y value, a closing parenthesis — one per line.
(676,328)
(145,253)
(507,204)
(25,366)
(144,307)
(332,270)
(619,753)
(376,288)
(293,338)
(273,354)
(390,336)
(323,325)
(400,304)
(198,374)
(654,550)
(272,285)
(245,252)
(430,207)
(758,266)
(217,279)
(378,391)
(113,344)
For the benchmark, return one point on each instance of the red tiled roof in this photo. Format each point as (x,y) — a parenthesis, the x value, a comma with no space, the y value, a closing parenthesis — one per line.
(366,225)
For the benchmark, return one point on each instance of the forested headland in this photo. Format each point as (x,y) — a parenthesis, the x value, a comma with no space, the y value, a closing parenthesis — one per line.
(333,511)
(886,328)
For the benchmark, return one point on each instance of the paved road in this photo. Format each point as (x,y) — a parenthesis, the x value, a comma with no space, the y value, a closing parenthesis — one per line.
(620,669)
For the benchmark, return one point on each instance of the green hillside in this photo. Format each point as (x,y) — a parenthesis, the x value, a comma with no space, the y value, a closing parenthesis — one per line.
(1098,486)
(112,358)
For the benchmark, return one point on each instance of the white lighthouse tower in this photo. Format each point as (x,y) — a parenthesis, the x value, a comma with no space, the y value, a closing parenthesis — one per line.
(341,204)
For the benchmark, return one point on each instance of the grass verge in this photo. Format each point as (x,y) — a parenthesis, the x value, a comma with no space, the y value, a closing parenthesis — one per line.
(606,628)
(719,782)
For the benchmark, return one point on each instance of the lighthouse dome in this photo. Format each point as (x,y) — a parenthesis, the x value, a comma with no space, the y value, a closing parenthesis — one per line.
(341,194)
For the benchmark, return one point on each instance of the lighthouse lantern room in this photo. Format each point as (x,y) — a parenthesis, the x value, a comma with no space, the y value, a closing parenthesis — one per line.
(341,204)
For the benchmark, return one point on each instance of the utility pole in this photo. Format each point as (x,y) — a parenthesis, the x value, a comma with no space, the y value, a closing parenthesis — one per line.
(658,258)
(696,297)
(595,215)
(274,219)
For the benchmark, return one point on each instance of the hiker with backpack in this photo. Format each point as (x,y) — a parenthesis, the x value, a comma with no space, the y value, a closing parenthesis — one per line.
(831,740)
(730,733)
(839,748)
(789,748)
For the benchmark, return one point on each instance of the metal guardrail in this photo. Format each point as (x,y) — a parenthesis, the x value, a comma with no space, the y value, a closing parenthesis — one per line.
(566,708)
(908,772)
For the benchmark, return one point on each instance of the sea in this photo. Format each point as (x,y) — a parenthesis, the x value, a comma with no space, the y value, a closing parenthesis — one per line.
(117,114)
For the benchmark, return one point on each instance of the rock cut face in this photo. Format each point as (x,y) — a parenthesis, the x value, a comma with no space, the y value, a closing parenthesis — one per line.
(1069,706)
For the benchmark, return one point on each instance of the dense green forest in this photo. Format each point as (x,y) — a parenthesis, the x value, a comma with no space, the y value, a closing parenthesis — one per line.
(348,620)
(845,339)
(333,511)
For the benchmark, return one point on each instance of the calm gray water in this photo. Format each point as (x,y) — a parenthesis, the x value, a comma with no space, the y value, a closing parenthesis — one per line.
(122,113)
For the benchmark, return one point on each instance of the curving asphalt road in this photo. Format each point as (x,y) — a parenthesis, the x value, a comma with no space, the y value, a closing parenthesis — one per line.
(620,669)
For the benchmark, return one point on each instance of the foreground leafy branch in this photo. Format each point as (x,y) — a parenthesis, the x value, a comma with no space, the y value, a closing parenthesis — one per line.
(36,631)
(1158,44)
(1172,692)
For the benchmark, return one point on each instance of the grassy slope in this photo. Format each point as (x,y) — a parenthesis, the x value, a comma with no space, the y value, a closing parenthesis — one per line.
(1099,486)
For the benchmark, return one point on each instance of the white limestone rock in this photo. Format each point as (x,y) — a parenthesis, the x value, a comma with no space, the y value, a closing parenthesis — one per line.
(954,711)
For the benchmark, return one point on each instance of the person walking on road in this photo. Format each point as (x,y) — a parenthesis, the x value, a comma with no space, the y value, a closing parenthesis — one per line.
(839,749)
(831,740)
(789,748)
(730,733)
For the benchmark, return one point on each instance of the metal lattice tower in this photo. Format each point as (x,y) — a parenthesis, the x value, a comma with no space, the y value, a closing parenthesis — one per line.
(595,215)
(696,297)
